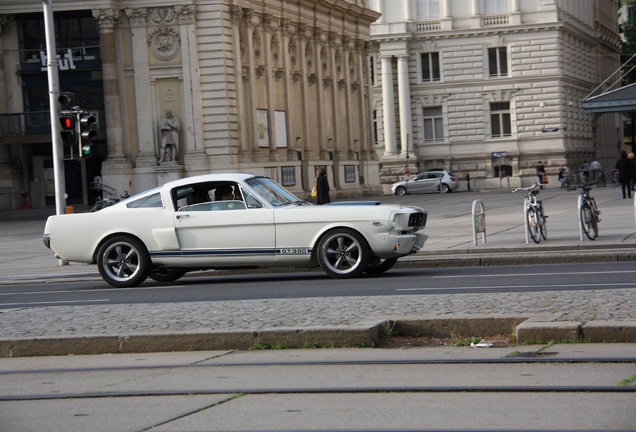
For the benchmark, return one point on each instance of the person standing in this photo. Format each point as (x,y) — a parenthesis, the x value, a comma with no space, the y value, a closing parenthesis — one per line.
(540,173)
(625,174)
(322,185)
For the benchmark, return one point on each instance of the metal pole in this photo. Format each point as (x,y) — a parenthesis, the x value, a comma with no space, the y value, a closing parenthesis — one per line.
(580,204)
(526,202)
(54,91)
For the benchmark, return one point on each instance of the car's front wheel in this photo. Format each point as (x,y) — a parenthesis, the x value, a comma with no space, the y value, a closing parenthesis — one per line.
(343,253)
(123,262)
(400,190)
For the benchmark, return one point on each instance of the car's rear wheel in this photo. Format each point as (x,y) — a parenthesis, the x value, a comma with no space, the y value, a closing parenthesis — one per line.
(444,188)
(343,253)
(123,262)
(379,265)
(400,190)
(166,274)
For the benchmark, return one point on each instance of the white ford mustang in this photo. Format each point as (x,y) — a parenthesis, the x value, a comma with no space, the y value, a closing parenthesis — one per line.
(230,221)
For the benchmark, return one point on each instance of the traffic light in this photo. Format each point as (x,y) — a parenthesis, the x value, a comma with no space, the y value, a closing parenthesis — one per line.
(69,129)
(87,133)
(66,99)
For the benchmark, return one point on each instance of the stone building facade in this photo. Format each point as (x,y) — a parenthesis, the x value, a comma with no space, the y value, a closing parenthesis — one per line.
(276,88)
(487,88)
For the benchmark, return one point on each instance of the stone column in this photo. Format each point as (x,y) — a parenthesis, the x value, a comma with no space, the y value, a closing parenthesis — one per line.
(239,42)
(388,108)
(147,156)
(117,168)
(269,25)
(324,141)
(106,19)
(253,31)
(306,38)
(404,101)
(192,148)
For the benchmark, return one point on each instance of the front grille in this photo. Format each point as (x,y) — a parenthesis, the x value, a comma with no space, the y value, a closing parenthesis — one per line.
(417,219)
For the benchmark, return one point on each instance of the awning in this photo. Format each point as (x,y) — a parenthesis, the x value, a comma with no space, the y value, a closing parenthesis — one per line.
(619,100)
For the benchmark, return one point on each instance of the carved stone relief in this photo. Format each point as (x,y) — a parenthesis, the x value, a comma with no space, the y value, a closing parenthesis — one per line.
(164,43)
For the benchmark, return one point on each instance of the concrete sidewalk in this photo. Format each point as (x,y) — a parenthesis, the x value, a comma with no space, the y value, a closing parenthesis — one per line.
(599,315)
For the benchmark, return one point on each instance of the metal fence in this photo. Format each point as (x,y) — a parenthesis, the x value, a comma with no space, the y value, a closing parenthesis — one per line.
(29,123)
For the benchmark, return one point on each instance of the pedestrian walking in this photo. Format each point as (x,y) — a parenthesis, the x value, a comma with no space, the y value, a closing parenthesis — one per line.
(595,169)
(585,172)
(322,185)
(625,174)
(540,174)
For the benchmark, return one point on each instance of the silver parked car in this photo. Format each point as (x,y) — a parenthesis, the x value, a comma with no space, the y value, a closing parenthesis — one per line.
(429,181)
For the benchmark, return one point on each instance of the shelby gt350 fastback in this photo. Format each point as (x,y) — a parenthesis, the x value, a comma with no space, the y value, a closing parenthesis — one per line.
(231,221)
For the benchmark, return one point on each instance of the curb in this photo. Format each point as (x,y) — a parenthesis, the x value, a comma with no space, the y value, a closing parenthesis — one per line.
(540,329)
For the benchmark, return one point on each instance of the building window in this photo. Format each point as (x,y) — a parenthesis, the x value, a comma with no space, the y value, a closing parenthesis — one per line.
(495,6)
(498,61)
(350,173)
(427,9)
(372,70)
(375,127)
(500,119)
(433,124)
(430,67)
(288,174)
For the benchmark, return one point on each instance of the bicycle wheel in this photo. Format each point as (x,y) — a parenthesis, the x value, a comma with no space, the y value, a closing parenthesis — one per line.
(543,226)
(533,224)
(588,221)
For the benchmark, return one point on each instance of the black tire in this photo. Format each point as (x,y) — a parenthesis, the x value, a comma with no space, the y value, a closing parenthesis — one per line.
(166,274)
(379,265)
(401,190)
(543,226)
(343,253)
(533,225)
(444,188)
(588,221)
(123,262)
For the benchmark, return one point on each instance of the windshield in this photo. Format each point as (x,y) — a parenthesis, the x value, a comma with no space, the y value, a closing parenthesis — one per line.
(274,193)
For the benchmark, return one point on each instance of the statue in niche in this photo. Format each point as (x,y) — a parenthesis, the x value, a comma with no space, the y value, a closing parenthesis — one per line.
(169,126)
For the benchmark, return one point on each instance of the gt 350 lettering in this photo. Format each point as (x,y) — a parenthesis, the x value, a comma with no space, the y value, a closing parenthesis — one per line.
(294,251)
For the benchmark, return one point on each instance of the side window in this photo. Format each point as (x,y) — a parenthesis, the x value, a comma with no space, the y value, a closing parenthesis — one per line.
(153,200)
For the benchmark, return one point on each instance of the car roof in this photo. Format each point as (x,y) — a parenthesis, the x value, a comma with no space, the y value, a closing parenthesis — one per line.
(211,177)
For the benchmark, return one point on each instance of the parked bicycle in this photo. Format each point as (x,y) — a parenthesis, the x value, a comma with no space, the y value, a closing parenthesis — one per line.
(535,218)
(588,212)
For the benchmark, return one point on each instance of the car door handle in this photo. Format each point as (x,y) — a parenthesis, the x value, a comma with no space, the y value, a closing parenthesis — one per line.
(183,216)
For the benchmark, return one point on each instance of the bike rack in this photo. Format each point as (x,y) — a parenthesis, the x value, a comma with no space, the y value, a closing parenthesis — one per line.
(580,203)
(526,203)
(479,221)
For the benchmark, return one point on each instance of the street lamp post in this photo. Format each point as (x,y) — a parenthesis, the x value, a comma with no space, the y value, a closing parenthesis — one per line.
(54,84)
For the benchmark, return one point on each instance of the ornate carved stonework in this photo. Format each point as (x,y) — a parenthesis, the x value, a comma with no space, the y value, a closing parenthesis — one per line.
(260,71)
(186,13)
(137,16)
(164,43)
(106,17)
(163,16)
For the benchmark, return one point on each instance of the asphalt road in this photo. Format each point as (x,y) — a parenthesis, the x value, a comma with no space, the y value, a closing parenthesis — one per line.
(468,280)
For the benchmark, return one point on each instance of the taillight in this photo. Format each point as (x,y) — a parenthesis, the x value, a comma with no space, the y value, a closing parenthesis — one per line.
(452,179)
